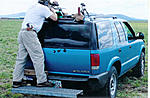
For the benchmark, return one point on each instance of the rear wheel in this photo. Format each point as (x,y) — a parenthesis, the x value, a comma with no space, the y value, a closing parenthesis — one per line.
(138,70)
(110,88)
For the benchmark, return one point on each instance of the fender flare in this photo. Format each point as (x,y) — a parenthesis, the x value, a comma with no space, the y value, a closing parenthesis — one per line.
(112,61)
(142,47)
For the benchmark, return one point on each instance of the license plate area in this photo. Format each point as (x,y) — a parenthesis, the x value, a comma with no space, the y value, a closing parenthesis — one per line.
(57,83)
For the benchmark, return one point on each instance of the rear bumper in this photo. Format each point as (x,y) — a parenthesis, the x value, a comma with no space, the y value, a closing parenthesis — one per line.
(93,80)
(98,81)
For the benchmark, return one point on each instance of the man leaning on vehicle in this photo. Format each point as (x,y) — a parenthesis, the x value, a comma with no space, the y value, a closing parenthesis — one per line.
(29,43)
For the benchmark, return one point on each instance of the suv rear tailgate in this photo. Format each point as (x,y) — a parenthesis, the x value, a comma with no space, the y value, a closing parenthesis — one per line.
(73,61)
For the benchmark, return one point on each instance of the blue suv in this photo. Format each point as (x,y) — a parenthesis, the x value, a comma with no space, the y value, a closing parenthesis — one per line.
(92,54)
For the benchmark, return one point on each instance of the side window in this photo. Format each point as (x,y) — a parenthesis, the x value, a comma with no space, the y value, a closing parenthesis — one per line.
(120,31)
(127,30)
(105,35)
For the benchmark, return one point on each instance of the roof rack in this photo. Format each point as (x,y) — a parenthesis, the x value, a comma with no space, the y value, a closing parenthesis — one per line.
(94,17)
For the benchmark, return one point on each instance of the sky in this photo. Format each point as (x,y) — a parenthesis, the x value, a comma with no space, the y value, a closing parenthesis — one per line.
(132,8)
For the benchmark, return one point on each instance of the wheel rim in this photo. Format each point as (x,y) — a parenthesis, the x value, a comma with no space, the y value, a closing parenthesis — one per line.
(142,65)
(112,84)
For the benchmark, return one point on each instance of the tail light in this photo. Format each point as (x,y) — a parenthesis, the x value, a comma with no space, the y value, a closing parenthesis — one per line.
(95,60)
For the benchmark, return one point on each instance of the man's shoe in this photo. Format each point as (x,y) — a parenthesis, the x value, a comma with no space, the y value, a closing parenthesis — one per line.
(17,84)
(45,84)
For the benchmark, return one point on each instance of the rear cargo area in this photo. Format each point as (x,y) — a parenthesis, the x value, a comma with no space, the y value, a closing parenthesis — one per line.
(66,48)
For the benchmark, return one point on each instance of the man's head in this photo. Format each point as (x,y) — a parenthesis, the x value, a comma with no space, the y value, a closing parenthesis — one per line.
(44,2)
(47,2)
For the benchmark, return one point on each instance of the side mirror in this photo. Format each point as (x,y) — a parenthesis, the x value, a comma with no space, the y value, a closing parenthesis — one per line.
(140,35)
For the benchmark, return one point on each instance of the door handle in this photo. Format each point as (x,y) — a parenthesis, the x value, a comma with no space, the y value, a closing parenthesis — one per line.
(120,50)
(130,46)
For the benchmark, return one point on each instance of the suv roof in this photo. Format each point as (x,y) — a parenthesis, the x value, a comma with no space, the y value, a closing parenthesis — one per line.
(91,19)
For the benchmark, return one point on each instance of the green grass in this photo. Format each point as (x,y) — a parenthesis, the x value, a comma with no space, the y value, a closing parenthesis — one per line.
(128,86)
(8,49)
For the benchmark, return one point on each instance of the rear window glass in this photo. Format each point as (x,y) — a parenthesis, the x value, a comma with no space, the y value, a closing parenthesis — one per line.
(67,36)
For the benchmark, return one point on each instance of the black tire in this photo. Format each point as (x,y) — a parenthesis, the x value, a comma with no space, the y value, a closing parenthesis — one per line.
(110,89)
(138,70)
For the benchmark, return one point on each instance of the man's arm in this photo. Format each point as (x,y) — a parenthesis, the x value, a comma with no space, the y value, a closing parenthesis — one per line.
(54,15)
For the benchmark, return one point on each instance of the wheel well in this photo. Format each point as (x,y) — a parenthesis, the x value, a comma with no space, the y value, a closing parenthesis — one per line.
(143,50)
(117,65)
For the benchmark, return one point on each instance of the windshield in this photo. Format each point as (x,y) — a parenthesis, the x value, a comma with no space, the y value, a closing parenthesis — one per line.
(67,36)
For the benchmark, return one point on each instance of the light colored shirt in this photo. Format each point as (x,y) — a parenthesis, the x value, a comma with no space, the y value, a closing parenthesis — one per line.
(35,16)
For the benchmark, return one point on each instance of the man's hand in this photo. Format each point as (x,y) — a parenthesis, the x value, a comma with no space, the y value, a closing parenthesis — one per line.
(52,9)
(54,15)
(78,17)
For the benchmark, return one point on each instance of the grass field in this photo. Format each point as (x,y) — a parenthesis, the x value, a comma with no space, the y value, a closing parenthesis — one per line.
(128,86)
